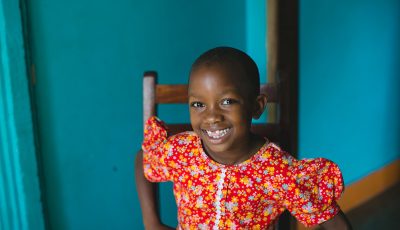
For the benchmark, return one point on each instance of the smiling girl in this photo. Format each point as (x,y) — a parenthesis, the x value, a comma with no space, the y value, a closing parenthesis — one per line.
(224,176)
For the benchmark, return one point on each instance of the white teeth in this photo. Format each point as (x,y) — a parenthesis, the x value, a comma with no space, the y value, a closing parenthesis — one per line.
(217,134)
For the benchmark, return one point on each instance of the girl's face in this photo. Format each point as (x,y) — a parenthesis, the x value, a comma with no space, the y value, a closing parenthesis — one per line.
(221,110)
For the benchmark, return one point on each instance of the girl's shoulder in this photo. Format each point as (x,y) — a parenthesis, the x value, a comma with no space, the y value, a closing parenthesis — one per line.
(157,131)
(183,139)
(274,156)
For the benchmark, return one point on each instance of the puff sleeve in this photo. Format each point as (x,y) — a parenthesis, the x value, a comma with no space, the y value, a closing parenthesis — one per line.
(155,151)
(311,188)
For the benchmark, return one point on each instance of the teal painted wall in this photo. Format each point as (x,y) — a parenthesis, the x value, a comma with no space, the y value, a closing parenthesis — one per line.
(256,43)
(89,58)
(350,83)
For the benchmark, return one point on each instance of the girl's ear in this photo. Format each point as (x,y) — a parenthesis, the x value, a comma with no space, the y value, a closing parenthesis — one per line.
(261,103)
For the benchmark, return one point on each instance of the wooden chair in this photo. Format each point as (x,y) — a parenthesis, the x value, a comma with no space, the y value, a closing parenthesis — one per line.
(154,94)
(282,131)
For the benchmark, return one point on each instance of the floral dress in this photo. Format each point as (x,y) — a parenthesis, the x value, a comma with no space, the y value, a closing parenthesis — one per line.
(249,195)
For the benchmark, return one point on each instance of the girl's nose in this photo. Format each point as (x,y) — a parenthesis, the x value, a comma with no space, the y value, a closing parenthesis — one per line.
(213,116)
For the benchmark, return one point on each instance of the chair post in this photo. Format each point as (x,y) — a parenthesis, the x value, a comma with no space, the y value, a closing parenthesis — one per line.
(149,94)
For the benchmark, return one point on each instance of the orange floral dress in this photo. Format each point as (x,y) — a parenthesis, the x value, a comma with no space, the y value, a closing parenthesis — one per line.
(249,195)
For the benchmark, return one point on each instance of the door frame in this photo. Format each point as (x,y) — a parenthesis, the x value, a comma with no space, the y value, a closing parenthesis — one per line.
(283,69)
(20,195)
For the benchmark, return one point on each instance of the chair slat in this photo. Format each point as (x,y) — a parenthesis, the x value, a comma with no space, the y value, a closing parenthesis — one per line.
(149,104)
(177,128)
(169,94)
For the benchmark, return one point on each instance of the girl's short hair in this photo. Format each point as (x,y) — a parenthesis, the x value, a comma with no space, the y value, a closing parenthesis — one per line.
(233,60)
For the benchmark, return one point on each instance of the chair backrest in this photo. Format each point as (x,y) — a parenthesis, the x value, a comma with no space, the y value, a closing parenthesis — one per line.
(154,94)
(278,131)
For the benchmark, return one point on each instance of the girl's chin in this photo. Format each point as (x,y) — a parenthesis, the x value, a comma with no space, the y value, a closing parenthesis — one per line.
(216,150)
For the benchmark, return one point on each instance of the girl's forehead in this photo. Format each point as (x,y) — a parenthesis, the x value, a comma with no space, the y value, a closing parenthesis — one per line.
(205,85)
(214,78)
(217,72)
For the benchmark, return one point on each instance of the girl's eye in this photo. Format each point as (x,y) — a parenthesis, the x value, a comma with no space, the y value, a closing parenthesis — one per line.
(196,104)
(227,101)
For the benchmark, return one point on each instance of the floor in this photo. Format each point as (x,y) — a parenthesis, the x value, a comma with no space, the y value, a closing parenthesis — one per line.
(382,212)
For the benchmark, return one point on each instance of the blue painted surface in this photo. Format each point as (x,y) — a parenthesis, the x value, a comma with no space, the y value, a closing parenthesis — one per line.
(89,59)
(256,43)
(350,83)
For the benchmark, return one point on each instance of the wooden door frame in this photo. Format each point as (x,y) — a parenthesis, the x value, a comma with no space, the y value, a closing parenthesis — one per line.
(283,55)
(283,62)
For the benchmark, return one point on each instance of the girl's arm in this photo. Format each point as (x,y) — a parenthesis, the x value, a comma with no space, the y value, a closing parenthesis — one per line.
(339,222)
(147,197)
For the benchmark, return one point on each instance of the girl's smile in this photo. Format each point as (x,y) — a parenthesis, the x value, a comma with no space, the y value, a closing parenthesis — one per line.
(217,136)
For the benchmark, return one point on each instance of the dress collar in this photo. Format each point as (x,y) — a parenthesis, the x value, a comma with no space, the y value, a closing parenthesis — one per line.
(253,161)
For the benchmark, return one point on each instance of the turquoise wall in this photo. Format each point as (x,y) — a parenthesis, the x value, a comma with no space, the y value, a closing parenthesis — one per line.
(256,34)
(89,58)
(350,83)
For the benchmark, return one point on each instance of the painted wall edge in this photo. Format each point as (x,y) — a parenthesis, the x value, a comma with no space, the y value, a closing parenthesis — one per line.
(20,200)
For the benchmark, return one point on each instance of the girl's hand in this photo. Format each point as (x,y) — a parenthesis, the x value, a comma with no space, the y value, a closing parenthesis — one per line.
(339,222)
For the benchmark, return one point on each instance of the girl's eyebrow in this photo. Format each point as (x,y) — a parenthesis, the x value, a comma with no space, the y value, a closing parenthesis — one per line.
(190,94)
(230,90)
